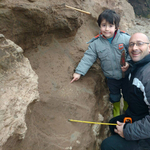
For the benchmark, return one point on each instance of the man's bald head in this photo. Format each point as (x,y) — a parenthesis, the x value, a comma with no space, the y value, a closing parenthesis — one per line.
(139,36)
(139,46)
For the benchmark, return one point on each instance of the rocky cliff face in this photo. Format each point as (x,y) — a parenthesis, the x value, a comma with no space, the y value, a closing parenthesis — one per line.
(54,39)
(141,7)
(18,88)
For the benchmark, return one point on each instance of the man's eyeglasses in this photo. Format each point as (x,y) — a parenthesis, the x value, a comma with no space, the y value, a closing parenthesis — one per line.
(137,44)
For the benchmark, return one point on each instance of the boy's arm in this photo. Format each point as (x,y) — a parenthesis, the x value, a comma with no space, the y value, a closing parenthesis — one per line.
(76,77)
(125,68)
(127,38)
(87,61)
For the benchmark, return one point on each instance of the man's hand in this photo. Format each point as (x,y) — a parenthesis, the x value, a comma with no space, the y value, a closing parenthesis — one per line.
(76,77)
(125,68)
(119,129)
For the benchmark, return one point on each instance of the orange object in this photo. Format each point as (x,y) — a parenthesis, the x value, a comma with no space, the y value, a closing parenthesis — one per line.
(123,58)
(123,61)
(127,119)
(120,46)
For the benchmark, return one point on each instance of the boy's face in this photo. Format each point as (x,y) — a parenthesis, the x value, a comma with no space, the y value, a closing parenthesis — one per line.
(107,29)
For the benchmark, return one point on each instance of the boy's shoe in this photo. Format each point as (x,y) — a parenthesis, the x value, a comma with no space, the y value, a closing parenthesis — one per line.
(116,109)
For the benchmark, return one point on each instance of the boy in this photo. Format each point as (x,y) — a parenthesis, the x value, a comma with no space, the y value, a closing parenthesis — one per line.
(107,46)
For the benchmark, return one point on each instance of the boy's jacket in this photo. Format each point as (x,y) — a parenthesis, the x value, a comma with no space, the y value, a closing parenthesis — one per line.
(108,54)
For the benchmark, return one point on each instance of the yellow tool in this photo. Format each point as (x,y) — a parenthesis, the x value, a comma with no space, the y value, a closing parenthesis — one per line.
(86,12)
(71,120)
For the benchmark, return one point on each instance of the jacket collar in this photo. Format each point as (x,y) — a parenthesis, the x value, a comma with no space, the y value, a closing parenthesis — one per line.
(140,63)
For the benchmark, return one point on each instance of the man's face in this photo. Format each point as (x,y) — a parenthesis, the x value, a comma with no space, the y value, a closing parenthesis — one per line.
(139,50)
(107,29)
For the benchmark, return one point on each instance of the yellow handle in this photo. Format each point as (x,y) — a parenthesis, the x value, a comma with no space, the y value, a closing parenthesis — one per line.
(71,120)
(78,10)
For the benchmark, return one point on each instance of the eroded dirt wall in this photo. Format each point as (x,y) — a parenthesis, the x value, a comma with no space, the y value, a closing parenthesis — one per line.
(54,39)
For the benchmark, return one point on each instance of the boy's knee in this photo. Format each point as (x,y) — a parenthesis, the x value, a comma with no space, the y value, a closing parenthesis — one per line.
(114,97)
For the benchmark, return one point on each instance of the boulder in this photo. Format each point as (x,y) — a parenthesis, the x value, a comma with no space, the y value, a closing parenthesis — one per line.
(18,89)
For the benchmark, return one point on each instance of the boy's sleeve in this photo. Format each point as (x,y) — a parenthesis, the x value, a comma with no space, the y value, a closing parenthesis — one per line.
(87,61)
(128,58)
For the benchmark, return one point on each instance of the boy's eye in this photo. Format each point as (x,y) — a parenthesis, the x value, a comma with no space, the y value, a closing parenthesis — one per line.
(111,25)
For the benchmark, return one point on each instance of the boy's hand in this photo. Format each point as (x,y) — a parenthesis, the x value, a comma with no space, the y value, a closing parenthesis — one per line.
(76,77)
(125,68)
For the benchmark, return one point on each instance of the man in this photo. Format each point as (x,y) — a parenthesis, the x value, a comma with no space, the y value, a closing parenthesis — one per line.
(136,135)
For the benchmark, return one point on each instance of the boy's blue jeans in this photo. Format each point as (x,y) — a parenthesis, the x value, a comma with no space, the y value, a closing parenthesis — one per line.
(115,87)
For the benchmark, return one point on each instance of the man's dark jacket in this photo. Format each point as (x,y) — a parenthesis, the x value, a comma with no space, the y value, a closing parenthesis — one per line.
(138,98)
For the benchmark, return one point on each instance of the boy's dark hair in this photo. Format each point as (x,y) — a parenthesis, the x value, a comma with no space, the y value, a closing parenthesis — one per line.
(110,16)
